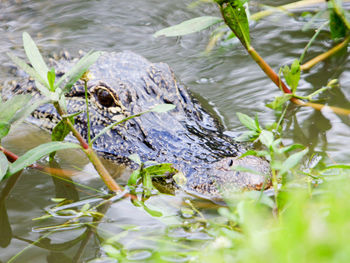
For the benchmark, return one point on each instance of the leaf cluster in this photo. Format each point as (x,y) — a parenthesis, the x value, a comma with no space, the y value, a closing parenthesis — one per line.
(146,172)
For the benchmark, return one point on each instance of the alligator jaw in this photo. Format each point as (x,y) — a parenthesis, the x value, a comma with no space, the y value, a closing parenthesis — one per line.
(222,179)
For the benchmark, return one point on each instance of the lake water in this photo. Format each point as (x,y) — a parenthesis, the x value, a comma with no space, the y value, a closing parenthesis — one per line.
(226,81)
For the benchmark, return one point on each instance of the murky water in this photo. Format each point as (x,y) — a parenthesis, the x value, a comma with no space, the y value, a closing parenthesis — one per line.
(226,80)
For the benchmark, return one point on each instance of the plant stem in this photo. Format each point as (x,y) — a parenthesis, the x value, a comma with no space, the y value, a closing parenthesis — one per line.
(59,172)
(309,97)
(268,70)
(279,83)
(275,187)
(294,5)
(87,113)
(311,41)
(101,170)
(76,134)
(308,65)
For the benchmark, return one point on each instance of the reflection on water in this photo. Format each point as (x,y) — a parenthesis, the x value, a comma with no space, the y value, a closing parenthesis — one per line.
(227,81)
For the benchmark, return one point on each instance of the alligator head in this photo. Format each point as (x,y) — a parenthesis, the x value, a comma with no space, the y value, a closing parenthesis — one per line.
(123,84)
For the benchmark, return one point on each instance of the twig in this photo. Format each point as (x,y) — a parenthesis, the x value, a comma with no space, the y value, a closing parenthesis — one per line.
(325,55)
(294,5)
(279,83)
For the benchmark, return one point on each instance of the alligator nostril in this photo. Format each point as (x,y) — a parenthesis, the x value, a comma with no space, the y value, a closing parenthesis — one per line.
(230,162)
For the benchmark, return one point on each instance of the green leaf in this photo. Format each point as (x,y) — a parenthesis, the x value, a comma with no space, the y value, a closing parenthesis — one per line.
(71,116)
(58,200)
(147,183)
(4,129)
(292,75)
(9,108)
(134,177)
(78,70)
(290,148)
(247,136)
(257,122)
(279,101)
(248,122)
(336,166)
(260,197)
(189,26)
(152,212)
(236,18)
(61,130)
(62,100)
(27,110)
(4,164)
(293,160)
(276,164)
(37,153)
(113,252)
(255,153)
(27,69)
(35,57)
(85,207)
(244,169)
(51,76)
(45,91)
(276,144)
(160,108)
(266,138)
(225,212)
(148,210)
(295,68)
(104,130)
(160,169)
(135,158)
(336,25)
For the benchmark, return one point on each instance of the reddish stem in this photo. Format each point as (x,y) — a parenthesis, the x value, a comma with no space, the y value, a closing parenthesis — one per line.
(279,83)
(60,172)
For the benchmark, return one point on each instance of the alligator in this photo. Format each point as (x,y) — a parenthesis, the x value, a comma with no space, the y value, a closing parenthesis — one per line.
(193,140)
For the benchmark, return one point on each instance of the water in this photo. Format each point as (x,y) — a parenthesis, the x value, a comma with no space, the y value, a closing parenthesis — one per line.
(226,81)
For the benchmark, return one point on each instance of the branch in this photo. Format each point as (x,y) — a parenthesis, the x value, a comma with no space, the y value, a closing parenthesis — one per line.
(279,83)
(308,65)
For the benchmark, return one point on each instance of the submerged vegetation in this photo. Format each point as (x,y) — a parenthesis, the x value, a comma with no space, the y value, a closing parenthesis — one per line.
(304,218)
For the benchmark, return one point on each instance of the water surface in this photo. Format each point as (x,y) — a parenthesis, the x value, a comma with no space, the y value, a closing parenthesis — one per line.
(225,80)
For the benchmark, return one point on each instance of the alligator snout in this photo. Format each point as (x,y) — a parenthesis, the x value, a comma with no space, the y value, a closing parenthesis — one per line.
(233,174)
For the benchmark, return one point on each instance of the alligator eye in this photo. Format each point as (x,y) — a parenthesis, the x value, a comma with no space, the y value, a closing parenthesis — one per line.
(105,98)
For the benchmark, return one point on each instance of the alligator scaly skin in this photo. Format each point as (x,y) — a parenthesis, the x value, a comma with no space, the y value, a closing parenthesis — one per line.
(123,84)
